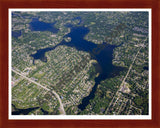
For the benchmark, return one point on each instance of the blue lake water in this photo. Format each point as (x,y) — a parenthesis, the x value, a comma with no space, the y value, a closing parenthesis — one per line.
(16,33)
(36,25)
(104,57)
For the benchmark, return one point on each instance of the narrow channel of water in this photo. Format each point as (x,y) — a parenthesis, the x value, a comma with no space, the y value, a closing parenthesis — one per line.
(22,111)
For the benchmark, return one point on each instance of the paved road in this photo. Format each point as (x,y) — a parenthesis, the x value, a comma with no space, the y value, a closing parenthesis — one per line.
(130,68)
(124,79)
(61,109)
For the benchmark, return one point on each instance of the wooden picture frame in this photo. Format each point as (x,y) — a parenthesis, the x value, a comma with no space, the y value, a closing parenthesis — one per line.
(4,52)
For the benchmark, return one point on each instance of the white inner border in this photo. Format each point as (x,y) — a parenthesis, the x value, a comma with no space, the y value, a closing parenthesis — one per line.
(81,117)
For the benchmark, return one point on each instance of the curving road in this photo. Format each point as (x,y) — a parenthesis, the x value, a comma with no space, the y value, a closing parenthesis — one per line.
(61,108)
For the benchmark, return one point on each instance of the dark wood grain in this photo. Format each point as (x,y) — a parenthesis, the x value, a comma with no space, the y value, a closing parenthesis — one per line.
(6,4)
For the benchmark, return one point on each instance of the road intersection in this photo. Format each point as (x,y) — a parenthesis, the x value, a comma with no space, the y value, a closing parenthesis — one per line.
(61,108)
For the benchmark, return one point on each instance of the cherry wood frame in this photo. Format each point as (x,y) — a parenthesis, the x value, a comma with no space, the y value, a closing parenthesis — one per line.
(6,4)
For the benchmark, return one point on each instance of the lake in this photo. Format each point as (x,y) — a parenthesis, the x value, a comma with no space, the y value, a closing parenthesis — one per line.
(36,25)
(104,58)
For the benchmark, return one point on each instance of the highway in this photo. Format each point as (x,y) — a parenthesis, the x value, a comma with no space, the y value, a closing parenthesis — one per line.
(61,108)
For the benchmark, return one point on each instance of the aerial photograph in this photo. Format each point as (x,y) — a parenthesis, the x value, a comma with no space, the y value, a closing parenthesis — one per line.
(79,62)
